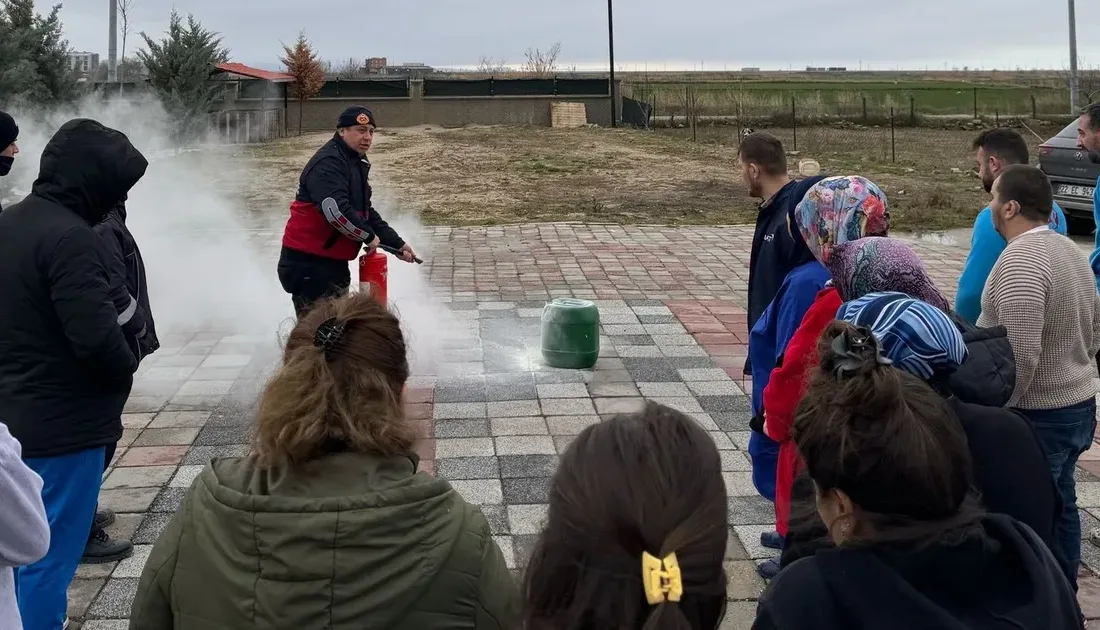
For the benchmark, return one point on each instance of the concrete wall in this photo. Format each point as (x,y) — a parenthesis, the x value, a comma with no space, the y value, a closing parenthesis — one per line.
(320,114)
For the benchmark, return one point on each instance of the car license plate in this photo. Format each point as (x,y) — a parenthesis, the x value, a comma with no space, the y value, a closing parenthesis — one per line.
(1069,190)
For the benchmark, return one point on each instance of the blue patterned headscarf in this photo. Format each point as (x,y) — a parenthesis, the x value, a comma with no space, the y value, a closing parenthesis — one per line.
(918,337)
(841,209)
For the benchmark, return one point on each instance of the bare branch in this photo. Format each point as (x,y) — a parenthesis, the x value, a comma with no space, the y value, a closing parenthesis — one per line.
(492,67)
(542,64)
(124,7)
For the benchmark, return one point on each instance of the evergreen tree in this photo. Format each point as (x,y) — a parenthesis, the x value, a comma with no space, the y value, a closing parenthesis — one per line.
(179,68)
(309,75)
(34,63)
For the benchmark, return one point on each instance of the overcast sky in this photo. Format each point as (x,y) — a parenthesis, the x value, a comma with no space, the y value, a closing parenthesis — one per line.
(713,34)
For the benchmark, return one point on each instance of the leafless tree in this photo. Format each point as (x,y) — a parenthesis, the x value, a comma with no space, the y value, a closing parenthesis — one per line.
(689,100)
(492,67)
(124,16)
(540,63)
(351,68)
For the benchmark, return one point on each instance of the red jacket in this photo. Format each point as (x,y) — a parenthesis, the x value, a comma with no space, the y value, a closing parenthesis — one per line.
(785,390)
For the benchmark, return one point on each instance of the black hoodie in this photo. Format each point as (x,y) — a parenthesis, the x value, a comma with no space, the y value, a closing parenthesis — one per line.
(65,368)
(129,289)
(1000,575)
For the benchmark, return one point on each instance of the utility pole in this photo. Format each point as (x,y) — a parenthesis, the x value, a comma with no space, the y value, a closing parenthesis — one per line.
(1074,76)
(611,49)
(112,44)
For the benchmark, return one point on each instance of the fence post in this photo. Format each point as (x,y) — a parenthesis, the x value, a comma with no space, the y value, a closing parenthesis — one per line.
(864,109)
(997,117)
(492,86)
(794,121)
(1034,109)
(337,89)
(975,103)
(555,86)
(893,141)
(912,110)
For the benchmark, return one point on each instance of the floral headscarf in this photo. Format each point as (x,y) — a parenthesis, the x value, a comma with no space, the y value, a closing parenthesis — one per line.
(875,264)
(917,337)
(841,209)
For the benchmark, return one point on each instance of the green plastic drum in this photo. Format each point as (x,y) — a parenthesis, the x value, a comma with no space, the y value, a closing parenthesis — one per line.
(570,333)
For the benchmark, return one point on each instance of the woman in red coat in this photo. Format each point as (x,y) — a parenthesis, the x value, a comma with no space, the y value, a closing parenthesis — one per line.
(859,267)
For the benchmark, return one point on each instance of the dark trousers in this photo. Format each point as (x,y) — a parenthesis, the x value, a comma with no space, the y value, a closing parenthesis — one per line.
(308,278)
(1064,434)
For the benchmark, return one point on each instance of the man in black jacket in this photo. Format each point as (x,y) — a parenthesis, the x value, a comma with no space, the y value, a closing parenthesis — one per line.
(9,133)
(65,367)
(332,218)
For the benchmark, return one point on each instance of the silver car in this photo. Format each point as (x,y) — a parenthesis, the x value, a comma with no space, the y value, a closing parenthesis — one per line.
(1073,177)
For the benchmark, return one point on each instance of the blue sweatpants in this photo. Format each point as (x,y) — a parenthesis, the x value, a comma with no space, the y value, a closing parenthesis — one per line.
(764,455)
(70,490)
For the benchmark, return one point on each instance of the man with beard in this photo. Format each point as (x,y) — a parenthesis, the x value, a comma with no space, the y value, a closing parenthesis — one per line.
(9,133)
(996,150)
(1088,138)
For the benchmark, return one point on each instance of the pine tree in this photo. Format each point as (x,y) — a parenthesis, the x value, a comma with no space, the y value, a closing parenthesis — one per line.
(34,63)
(309,74)
(179,68)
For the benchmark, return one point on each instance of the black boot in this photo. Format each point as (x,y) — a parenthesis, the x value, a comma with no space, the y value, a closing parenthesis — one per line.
(103,519)
(102,549)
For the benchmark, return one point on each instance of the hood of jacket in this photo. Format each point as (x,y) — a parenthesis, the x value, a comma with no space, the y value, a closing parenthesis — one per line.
(344,537)
(996,575)
(988,376)
(88,168)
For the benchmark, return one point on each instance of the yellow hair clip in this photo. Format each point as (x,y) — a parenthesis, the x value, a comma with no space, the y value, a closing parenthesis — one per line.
(661,579)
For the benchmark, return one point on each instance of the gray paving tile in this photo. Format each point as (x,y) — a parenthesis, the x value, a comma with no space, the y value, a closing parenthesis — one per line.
(474,393)
(566,406)
(725,404)
(562,390)
(522,466)
(620,330)
(514,408)
(478,428)
(479,491)
(612,389)
(222,435)
(553,375)
(80,596)
(684,404)
(201,455)
(113,602)
(526,490)
(468,468)
(602,377)
(629,352)
(722,441)
(169,500)
(735,461)
(523,547)
(651,370)
(463,447)
(732,421)
(562,442)
(180,419)
(750,510)
(497,515)
(443,411)
(570,425)
(526,519)
(682,363)
(739,484)
(703,374)
(655,390)
(128,500)
(525,445)
(506,550)
(605,364)
(715,388)
(648,307)
(151,527)
(131,567)
(535,425)
(136,421)
(631,340)
(104,624)
(657,319)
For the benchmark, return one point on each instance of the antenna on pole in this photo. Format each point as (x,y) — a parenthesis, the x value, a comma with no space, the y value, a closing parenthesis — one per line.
(112,44)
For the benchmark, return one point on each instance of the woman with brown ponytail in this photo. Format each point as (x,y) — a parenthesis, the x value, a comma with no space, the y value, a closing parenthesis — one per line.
(636,530)
(328,524)
(893,482)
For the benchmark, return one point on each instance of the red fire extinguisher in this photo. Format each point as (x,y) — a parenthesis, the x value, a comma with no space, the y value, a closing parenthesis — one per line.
(373,274)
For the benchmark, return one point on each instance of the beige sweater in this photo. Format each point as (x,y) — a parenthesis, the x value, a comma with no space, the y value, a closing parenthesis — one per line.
(1044,292)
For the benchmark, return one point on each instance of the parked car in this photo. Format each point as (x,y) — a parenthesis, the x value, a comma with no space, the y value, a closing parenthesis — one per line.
(1073,177)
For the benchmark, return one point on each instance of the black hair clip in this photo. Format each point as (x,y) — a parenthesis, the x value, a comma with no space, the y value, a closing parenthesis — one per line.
(850,352)
(328,334)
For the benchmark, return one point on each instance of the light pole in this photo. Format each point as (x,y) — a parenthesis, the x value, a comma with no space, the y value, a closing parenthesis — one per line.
(1074,77)
(112,42)
(611,50)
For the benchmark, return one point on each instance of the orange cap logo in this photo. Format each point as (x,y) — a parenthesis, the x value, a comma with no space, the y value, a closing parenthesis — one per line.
(362,119)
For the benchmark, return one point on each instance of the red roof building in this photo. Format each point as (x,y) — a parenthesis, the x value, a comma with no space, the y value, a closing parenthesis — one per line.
(253,73)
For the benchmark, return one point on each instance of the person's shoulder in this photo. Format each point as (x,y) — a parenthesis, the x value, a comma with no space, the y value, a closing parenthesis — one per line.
(796,587)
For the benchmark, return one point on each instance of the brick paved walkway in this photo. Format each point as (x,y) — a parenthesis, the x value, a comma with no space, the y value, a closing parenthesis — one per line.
(671,307)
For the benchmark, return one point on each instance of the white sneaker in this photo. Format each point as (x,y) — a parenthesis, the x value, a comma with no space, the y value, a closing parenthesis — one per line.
(65,626)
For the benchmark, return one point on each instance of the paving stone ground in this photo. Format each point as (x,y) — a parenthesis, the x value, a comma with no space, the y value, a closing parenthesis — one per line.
(673,330)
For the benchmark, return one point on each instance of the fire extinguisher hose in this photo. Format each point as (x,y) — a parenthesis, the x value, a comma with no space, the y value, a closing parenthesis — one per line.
(397,253)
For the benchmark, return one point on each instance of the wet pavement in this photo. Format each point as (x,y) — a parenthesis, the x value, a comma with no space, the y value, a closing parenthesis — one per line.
(673,330)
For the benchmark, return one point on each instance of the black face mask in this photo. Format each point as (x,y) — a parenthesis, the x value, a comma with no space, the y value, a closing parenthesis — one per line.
(5,164)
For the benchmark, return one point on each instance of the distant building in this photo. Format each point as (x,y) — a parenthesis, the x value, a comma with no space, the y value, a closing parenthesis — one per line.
(377,65)
(84,62)
(837,69)
(410,69)
(750,69)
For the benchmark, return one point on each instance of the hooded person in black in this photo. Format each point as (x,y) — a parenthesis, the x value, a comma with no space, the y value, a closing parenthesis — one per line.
(9,133)
(65,367)
(892,477)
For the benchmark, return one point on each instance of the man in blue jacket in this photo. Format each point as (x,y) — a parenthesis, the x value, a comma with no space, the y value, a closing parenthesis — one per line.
(776,250)
(1088,138)
(996,149)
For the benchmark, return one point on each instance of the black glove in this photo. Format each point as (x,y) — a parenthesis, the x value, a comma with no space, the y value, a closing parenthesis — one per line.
(757,424)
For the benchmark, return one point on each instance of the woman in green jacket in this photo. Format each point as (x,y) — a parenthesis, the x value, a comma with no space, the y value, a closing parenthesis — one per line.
(327,524)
